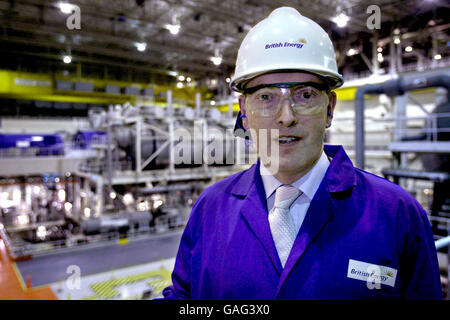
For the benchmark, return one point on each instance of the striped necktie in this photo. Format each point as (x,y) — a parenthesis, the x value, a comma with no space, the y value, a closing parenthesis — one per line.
(280,220)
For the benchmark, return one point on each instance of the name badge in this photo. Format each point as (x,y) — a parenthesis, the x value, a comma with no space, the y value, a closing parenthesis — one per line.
(373,274)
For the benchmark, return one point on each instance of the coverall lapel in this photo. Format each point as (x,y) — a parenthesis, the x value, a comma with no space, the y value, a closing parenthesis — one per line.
(340,177)
(254,211)
(320,212)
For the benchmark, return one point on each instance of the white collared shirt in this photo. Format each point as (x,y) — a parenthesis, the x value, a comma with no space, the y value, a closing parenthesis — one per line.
(308,184)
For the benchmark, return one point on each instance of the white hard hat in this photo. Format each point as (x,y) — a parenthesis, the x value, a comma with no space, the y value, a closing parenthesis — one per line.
(286,40)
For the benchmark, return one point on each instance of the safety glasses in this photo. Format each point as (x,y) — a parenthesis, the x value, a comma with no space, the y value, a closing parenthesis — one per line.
(304,98)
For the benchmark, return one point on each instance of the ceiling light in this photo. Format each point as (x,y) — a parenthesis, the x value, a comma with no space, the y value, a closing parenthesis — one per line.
(397,40)
(213,103)
(408,49)
(437,57)
(87,212)
(341,20)
(67,59)
(188,79)
(181,78)
(66,8)
(216,60)
(179,85)
(141,46)
(380,49)
(227,80)
(173,28)
(351,52)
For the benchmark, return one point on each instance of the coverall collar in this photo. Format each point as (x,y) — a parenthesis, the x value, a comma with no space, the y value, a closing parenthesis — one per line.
(340,175)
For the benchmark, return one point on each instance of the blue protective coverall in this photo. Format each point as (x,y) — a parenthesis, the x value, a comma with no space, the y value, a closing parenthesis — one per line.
(355,220)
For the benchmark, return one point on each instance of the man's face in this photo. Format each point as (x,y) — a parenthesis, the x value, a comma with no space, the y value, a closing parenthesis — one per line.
(297,157)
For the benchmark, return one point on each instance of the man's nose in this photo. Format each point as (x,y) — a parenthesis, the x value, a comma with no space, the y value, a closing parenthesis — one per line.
(286,116)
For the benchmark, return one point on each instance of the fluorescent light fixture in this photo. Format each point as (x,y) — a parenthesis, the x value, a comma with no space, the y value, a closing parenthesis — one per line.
(181,78)
(437,57)
(141,46)
(351,52)
(341,20)
(66,8)
(408,49)
(173,28)
(67,59)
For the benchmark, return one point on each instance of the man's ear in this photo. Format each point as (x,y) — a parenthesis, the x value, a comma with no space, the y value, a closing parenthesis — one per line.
(243,112)
(331,105)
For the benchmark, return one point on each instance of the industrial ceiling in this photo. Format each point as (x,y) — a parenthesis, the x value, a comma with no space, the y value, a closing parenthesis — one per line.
(34,34)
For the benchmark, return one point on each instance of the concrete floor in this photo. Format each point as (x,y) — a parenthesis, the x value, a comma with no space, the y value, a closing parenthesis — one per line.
(48,269)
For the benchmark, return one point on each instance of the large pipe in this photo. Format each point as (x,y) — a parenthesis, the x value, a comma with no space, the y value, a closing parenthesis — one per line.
(443,242)
(392,88)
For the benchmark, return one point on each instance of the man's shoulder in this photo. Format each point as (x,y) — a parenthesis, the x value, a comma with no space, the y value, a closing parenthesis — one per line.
(227,184)
(384,191)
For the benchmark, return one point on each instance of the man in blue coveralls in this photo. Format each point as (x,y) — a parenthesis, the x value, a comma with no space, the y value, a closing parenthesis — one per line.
(302,222)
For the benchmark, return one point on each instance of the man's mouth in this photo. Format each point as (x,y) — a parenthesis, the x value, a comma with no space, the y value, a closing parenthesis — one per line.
(288,139)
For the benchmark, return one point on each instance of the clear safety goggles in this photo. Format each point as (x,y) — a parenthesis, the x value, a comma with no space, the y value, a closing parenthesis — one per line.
(304,98)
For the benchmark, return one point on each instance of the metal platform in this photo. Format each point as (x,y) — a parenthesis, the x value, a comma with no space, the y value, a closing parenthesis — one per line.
(402,173)
(22,166)
(420,146)
(178,174)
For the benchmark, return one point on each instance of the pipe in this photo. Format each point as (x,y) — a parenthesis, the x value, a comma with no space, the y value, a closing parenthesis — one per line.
(160,189)
(109,164)
(392,88)
(443,242)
